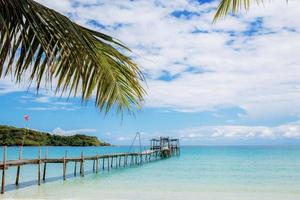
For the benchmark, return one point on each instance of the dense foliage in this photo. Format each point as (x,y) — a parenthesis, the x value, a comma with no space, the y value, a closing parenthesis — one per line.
(42,45)
(13,136)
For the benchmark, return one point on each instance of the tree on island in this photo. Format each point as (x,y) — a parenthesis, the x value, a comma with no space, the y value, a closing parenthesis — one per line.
(46,47)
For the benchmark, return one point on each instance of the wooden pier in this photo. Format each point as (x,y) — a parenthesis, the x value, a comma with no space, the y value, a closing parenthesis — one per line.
(108,160)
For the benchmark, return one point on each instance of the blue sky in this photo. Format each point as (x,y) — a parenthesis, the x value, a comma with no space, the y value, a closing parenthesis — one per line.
(234,82)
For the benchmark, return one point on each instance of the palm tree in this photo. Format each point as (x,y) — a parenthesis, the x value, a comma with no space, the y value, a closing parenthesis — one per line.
(234,6)
(45,45)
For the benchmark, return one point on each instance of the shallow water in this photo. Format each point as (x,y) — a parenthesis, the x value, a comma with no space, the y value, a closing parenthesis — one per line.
(210,173)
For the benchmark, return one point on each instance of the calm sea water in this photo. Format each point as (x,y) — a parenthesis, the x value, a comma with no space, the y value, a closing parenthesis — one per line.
(202,172)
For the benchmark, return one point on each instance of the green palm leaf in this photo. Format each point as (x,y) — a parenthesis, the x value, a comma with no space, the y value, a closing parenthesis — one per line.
(233,6)
(40,41)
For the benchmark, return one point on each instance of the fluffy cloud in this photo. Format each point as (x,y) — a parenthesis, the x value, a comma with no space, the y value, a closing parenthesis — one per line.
(286,131)
(44,103)
(8,86)
(59,131)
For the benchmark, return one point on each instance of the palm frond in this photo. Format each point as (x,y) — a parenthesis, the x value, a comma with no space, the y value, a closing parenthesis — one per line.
(37,40)
(233,6)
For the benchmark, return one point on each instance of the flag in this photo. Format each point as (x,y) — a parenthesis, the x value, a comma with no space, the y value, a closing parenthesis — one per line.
(26,117)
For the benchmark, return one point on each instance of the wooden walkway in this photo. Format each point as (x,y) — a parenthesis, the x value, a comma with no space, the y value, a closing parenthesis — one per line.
(108,161)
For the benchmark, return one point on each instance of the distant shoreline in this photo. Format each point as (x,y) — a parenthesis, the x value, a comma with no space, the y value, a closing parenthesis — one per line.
(13,136)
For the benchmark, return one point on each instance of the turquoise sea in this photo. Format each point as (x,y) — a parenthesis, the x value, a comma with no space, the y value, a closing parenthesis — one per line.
(201,172)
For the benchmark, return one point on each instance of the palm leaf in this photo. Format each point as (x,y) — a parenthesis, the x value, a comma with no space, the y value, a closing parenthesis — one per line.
(44,43)
(233,6)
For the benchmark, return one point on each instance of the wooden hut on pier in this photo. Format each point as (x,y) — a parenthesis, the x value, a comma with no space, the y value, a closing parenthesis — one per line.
(166,146)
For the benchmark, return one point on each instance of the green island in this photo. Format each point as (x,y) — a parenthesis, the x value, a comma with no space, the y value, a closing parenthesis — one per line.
(13,136)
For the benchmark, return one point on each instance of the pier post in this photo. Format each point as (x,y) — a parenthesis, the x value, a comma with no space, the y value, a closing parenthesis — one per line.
(116,161)
(39,166)
(94,165)
(120,161)
(3,170)
(75,168)
(97,163)
(65,165)
(19,167)
(82,165)
(112,160)
(45,164)
(126,160)
(108,163)
(103,162)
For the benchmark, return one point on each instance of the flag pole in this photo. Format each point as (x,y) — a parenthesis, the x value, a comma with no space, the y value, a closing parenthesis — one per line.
(26,118)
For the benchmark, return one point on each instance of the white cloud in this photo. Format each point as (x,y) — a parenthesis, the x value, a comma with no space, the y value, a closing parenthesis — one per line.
(234,132)
(59,131)
(39,108)
(46,103)
(43,99)
(8,86)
